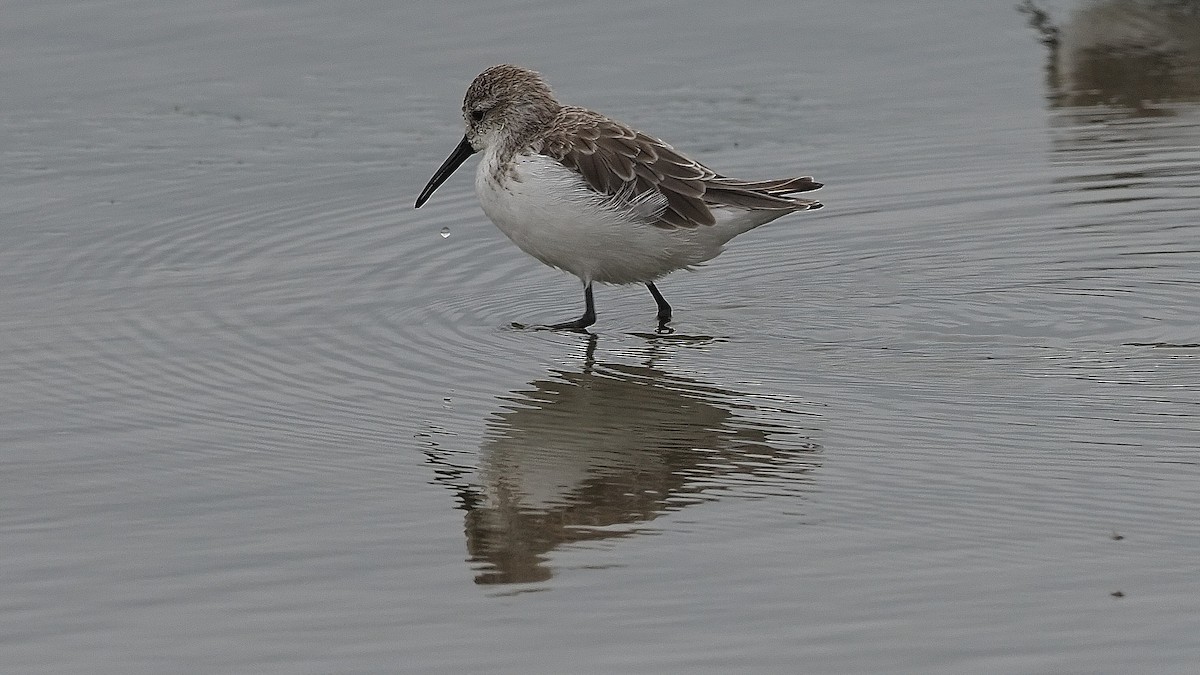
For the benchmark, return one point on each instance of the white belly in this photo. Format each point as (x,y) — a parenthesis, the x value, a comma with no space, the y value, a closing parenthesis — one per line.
(550,213)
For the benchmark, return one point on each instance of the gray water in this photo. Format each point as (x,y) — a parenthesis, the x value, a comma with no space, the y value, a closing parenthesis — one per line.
(257,415)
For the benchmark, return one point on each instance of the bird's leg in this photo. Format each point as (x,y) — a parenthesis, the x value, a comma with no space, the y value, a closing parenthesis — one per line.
(589,314)
(664,309)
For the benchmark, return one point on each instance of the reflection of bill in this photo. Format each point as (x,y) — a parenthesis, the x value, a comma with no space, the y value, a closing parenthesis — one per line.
(1122,52)
(588,455)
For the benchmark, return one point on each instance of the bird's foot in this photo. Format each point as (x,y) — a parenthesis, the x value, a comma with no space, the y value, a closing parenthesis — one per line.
(664,327)
(579,325)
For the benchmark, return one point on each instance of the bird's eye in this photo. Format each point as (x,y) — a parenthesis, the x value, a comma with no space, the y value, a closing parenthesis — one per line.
(477,115)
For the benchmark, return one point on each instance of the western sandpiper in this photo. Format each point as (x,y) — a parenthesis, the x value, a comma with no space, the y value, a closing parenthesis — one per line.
(589,195)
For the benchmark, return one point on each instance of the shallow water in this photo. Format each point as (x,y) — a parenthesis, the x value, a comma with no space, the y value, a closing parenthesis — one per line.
(259,415)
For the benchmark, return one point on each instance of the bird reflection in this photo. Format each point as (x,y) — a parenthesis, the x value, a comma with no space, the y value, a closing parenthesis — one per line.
(589,454)
(1126,53)
(1113,65)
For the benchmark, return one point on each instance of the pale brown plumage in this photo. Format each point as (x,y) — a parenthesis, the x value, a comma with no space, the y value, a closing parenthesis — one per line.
(587,194)
(616,159)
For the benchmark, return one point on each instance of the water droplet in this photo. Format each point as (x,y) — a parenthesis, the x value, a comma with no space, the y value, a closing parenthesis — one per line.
(445,232)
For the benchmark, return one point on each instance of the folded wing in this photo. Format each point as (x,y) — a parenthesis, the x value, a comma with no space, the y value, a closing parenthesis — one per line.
(625,164)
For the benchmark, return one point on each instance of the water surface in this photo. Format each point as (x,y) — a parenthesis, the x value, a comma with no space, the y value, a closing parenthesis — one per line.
(259,415)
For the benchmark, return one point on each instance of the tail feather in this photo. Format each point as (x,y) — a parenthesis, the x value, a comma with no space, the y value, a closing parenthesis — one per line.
(768,195)
(776,186)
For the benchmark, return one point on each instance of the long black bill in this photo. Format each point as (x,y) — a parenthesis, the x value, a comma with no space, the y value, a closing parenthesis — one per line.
(455,160)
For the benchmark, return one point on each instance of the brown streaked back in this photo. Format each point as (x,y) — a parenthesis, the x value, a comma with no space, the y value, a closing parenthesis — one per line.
(615,159)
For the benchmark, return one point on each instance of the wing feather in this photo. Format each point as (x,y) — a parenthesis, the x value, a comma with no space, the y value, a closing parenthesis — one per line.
(636,170)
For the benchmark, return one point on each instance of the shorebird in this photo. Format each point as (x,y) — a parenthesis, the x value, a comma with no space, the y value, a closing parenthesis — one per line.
(587,194)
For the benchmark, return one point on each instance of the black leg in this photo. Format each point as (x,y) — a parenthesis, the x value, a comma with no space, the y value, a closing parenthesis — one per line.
(664,310)
(589,314)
